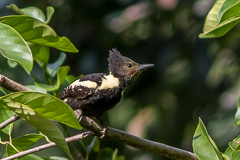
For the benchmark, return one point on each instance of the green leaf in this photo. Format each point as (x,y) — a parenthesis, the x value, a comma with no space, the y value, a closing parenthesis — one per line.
(229,150)
(225,157)
(42,124)
(70,79)
(2,90)
(53,67)
(203,145)
(30,11)
(233,146)
(35,31)
(4,115)
(40,54)
(14,47)
(23,143)
(12,63)
(30,157)
(236,155)
(34,12)
(50,12)
(121,158)
(61,75)
(237,115)
(45,105)
(211,19)
(214,29)
(229,9)
(37,89)
(115,154)
(2,105)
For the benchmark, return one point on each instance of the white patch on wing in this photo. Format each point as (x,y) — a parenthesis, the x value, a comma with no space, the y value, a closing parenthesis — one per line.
(88,84)
(65,100)
(109,82)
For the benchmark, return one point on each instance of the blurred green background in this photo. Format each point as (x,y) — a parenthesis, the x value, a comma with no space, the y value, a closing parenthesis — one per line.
(192,77)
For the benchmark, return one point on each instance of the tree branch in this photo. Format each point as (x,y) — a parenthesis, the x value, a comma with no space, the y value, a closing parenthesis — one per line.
(140,143)
(12,85)
(49,145)
(111,133)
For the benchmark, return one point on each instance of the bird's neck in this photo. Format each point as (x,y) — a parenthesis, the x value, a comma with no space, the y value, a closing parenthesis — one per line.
(122,80)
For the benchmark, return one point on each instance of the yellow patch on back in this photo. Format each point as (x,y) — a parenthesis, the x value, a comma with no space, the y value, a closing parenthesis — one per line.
(109,82)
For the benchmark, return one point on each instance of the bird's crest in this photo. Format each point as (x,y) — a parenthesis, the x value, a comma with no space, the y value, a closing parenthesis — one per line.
(114,55)
(115,61)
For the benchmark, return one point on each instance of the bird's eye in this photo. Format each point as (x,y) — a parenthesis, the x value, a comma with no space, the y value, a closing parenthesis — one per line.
(129,65)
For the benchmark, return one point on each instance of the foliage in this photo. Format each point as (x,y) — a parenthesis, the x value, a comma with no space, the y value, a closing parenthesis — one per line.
(19,30)
(192,78)
(26,38)
(205,148)
(22,143)
(223,16)
(203,145)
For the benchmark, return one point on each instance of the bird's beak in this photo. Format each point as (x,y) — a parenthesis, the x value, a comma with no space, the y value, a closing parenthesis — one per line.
(143,67)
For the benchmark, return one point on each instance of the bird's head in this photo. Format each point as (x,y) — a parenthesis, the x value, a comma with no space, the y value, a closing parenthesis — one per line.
(125,68)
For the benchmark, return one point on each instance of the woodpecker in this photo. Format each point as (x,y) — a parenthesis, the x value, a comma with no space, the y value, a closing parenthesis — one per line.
(94,94)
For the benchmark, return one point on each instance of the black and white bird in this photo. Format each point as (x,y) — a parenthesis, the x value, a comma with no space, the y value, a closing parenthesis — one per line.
(96,93)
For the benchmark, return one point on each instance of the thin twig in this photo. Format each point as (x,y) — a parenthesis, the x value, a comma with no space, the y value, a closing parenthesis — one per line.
(9,121)
(49,145)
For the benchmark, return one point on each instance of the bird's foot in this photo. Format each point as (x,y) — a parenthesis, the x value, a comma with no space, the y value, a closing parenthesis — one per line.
(103,132)
(79,114)
(86,134)
(102,125)
(98,124)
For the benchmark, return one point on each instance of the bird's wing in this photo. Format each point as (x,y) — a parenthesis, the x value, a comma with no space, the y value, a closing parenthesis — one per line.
(83,87)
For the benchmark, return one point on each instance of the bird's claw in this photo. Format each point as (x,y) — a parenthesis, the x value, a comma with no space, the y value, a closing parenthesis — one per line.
(103,132)
(80,118)
(85,134)
(79,114)
(101,127)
